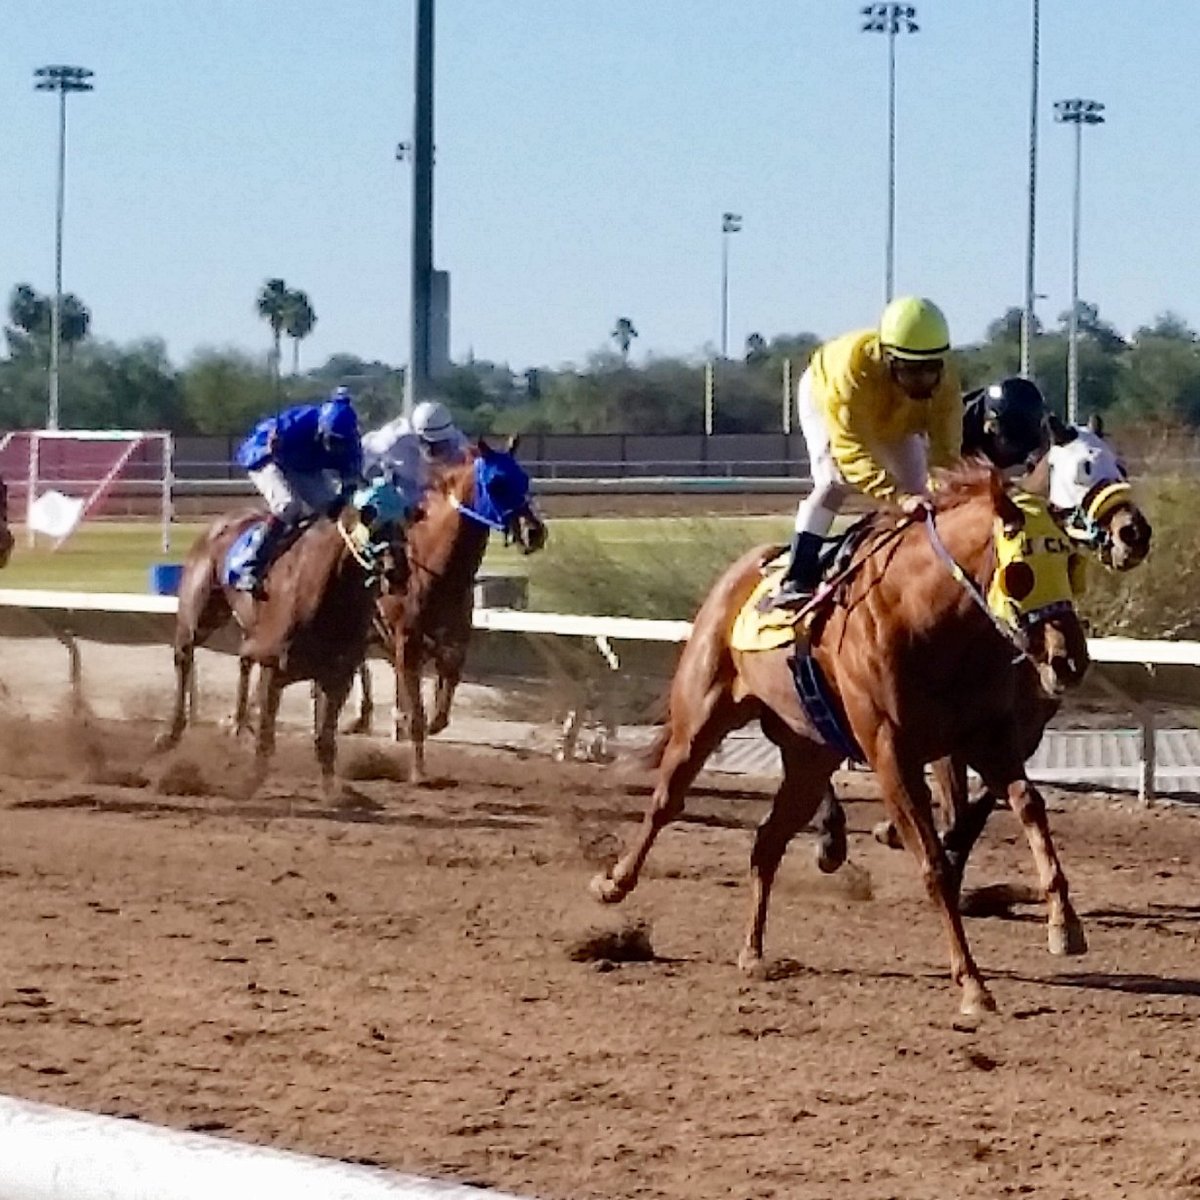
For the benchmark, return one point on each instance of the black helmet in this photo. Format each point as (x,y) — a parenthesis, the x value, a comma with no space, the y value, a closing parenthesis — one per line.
(1011,417)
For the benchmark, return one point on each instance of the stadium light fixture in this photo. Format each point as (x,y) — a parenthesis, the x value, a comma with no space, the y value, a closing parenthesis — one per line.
(63,80)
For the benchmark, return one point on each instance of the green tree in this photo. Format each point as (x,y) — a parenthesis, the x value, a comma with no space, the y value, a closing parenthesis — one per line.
(225,391)
(272,305)
(28,311)
(299,319)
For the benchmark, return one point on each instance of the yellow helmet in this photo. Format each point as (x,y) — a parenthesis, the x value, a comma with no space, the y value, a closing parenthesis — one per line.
(914,328)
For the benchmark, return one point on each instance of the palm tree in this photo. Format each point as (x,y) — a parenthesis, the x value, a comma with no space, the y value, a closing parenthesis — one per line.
(299,319)
(623,334)
(272,307)
(75,320)
(28,311)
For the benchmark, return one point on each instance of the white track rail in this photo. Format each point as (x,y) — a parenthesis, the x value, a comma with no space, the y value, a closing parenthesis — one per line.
(49,1153)
(76,610)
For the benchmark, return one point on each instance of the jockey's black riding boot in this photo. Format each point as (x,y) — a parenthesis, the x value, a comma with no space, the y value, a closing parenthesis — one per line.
(803,574)
(275,532)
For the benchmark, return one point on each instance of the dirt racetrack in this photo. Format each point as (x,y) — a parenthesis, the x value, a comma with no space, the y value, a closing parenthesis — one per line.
(388,978)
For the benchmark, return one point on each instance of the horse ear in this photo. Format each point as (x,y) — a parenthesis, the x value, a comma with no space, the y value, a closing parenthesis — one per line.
(513,442)
(483,447)
(1060,432)
(1096,424)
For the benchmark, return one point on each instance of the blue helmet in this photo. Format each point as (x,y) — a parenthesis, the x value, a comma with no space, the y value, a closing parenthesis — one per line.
(337,418)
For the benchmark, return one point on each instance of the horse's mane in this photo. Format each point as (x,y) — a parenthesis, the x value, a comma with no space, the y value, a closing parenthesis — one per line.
(967,480)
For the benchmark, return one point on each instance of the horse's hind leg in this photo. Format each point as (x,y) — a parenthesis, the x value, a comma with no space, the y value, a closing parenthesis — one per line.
(805,784)
(185,664)
(684,753)
(449,673)
(829,822)
(365,720)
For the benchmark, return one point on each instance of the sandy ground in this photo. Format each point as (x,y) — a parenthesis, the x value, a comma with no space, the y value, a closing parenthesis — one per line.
(388,977)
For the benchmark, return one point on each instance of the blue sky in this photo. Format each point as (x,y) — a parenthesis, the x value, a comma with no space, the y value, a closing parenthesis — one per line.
(586,151)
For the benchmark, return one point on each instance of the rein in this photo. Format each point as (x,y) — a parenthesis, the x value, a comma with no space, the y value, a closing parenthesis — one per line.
(370,567)
(467,511)
(972,589)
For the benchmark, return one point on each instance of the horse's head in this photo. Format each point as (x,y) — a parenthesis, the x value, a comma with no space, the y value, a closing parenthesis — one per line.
(375,524)
(501,497)
(1033,590)
(1091,497)
(6,537)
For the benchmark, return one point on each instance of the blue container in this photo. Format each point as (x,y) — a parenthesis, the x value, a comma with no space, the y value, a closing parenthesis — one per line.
(165,578)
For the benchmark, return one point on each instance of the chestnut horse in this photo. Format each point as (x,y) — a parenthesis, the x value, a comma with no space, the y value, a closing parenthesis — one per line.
(313,622)
(916,671)
(431,618)
(1089,495)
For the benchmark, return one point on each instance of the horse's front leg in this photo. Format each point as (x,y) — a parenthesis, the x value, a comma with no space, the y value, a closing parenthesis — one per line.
(330,695)
(829,823)
(408,697)
(270,688)
(241,709)
(909,804)
(1004,775)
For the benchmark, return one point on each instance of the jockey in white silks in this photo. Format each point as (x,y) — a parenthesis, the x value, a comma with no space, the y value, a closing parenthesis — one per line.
(409,449)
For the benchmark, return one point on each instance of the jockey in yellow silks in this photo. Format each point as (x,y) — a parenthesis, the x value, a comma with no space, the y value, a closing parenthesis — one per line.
(878,408)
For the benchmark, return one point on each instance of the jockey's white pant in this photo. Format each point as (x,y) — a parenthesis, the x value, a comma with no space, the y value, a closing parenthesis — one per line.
(292,494)
(907,462)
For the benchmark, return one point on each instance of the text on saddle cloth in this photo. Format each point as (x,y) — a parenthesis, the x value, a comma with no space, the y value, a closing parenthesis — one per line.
(242,553)
(1038,569)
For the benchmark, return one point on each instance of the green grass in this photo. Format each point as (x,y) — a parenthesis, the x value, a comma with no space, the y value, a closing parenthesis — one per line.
(662,567)
(638,566)
(102,557)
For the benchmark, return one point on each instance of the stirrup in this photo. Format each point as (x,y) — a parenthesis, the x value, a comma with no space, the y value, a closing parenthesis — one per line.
(787,595)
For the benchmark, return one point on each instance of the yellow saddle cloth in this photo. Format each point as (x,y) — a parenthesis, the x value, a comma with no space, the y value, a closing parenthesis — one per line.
(753,630)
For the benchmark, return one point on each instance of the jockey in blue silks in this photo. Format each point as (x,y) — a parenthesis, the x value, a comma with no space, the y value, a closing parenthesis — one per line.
(306,459)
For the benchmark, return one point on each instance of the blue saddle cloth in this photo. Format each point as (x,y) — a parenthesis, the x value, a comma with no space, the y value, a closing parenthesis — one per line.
(822,707)
(239,556)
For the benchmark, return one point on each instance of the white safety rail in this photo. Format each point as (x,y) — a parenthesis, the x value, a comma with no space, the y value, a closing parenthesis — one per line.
(49,1153)
(1121,654)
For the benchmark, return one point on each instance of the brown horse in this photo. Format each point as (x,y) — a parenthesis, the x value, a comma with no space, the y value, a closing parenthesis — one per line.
(6,537)
(431,618)
(1090,497)
(312,624)
(917,671)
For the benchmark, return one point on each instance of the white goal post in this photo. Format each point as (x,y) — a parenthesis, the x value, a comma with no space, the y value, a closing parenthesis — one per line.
(65,476)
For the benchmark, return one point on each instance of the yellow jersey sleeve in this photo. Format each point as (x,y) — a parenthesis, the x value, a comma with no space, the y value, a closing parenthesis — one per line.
(850,391)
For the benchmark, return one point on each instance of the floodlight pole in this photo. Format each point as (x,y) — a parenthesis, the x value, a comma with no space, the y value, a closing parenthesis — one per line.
(417,383)
(730,223)
(60,79)
(1027,316)
(1078,113)
(890,19)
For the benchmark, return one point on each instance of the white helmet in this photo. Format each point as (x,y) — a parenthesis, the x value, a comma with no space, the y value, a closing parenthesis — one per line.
(432,422)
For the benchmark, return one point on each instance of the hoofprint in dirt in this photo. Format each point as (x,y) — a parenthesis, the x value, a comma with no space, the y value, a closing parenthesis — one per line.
(393,979)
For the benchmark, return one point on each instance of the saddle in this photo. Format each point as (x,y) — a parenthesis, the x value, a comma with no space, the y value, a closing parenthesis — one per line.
(245,546)
(754,630)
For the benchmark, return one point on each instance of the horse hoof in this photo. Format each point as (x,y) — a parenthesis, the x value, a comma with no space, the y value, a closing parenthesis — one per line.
(606,889)
(751,964)
(887,835)
(976,999)
(830,854)
(357,728)
(1067,939)
(437,725)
